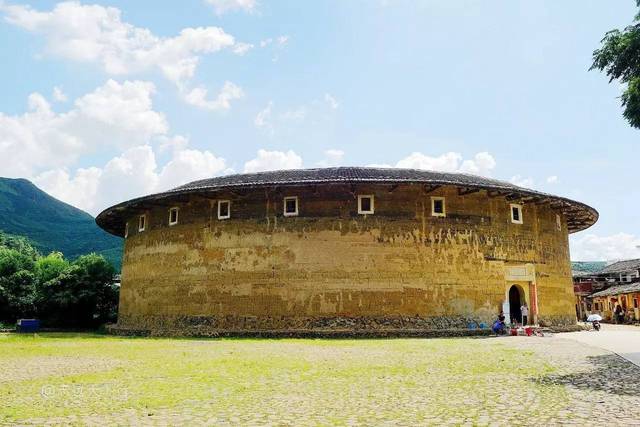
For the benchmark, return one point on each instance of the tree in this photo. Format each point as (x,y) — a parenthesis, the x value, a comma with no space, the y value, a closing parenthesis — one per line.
(78,294)
(50,267)
(82,295)
(619,58)
(17,285)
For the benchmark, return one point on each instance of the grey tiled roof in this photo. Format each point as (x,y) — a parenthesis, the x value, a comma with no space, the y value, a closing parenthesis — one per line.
(618,290)
(345,174)
(621,267)
(579,216)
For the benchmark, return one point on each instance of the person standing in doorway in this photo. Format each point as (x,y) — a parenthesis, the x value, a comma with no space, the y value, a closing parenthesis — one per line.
(524,310)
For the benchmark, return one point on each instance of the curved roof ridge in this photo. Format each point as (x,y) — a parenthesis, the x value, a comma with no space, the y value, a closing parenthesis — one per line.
(580,215)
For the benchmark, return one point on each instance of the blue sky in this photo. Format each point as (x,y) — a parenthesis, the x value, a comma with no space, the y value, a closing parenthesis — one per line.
(150,96)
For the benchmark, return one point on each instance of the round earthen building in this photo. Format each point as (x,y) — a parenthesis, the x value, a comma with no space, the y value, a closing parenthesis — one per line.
(361,250)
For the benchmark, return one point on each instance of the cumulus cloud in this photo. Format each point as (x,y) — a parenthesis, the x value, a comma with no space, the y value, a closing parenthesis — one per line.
(115,115)
(333,157)
(97,34)
(59,95)
(133,173)
(273,160)
(229,92)
(591,247)
(223,6)
(482,163)
(522,181)
(553,179)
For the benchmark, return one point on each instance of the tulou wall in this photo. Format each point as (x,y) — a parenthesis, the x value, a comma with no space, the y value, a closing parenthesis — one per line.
(330,268)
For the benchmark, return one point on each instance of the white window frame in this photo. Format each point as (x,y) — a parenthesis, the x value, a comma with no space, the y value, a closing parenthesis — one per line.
(228,215)
(126,229)
(558,222)
(284,206)
(177,211)
(142,223)
(519,207)
(444,207)
(362,196)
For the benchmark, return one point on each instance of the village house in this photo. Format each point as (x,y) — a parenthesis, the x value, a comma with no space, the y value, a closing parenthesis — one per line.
(615,284)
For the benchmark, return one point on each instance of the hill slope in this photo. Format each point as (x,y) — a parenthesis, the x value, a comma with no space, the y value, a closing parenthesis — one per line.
(587,267)
(52,225)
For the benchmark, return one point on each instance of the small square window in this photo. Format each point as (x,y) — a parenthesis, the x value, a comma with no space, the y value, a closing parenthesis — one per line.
(516,214)
(290,206)
(224,209)
(126,230)
(173,216)
(438,207)
(365,204)
(142,222)
(558,222)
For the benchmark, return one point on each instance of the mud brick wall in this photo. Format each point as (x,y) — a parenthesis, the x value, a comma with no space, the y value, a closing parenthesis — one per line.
(330,267)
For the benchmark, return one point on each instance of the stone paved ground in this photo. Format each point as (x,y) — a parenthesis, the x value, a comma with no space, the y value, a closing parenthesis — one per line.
(491,381)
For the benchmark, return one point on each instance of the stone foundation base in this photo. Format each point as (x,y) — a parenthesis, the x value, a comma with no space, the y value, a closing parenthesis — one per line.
(335,327)
(301,333)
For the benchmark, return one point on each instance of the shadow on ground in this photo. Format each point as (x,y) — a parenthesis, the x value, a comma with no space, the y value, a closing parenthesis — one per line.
(611,373)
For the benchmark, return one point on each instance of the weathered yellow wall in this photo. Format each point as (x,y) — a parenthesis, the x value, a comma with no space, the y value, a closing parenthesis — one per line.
(331,268)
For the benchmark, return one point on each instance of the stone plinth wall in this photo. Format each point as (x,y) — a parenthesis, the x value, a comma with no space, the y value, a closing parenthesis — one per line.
(331,268)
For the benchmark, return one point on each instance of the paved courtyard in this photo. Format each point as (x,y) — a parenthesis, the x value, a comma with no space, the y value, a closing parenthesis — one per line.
(95,380)
(623,340)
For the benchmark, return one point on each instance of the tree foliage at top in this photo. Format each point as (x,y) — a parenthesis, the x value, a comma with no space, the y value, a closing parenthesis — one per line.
(619,58)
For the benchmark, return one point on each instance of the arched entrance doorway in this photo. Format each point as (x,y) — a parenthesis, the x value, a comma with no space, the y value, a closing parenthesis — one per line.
(515,302)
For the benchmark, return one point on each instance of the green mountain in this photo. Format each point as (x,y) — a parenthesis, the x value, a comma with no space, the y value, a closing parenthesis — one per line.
(52,225)
(587,267)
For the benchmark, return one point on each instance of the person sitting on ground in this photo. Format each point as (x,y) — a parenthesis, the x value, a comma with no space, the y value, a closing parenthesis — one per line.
(499,327)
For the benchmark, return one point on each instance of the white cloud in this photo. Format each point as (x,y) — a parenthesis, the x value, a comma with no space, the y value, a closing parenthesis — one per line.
(263,118)
(273,160)
(333,157)
(521,181)
(483,163)
(282,40)
(333,103)
(591,247)
(59,95)
(133,173)
(242,48)
(229,92)
(224,6)
(270,120)
(115,115)
(279,43)
(97,34)
(553,179)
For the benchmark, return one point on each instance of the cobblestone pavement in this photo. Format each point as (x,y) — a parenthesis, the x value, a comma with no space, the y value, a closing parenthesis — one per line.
(603,388)
(488,381)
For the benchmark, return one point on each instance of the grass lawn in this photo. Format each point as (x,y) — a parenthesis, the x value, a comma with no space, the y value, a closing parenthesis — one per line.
(77,378)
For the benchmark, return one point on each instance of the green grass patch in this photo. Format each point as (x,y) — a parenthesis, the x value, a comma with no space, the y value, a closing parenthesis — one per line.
(369,381)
